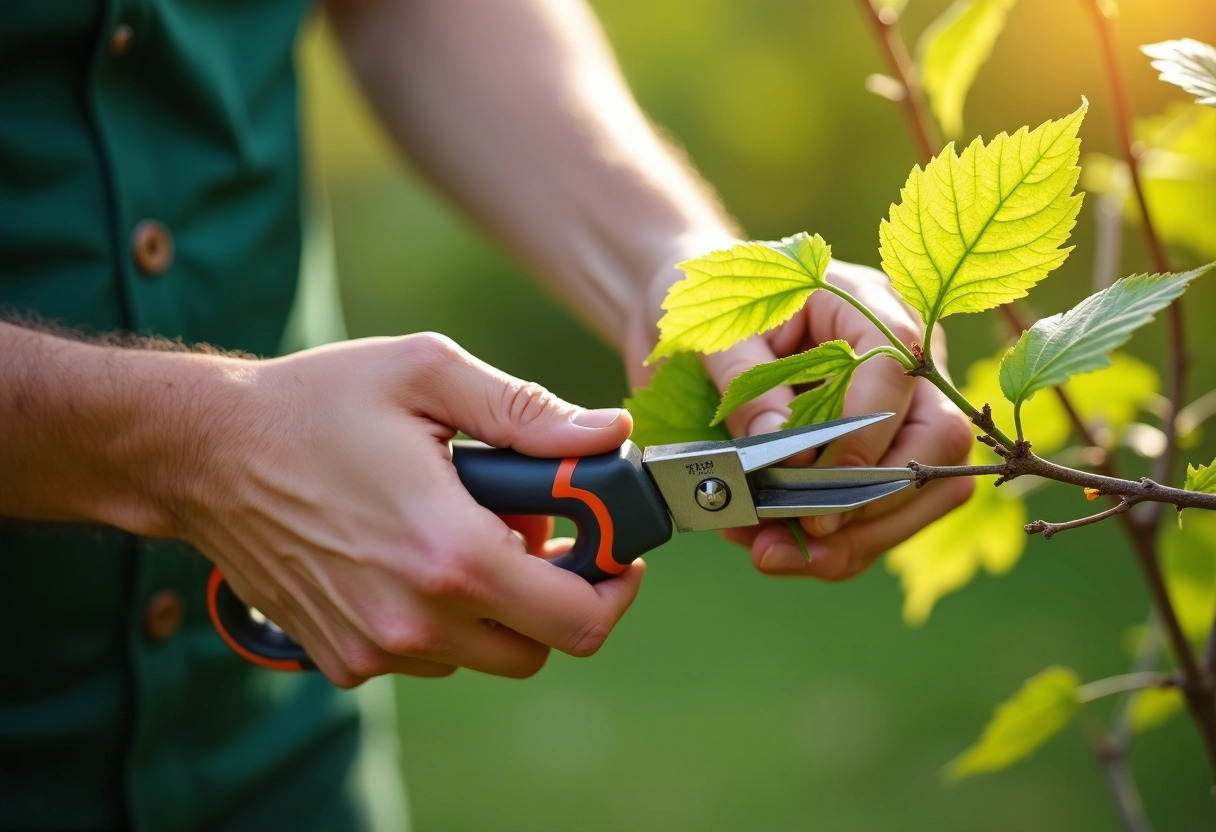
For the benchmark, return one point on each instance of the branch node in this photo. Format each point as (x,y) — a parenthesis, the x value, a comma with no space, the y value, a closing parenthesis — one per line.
(1039,527)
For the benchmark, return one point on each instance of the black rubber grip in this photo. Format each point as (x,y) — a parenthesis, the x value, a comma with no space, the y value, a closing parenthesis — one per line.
(610,498)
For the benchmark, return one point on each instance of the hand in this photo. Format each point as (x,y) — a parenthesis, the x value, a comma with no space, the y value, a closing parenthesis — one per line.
(926,427)
(328,499)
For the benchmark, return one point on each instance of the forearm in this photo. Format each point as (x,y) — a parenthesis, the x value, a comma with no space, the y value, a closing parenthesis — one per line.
(517,110)
(100,434)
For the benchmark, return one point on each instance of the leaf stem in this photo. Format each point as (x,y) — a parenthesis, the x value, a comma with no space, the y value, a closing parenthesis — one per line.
(981,419)
(904,354)
(1122,684)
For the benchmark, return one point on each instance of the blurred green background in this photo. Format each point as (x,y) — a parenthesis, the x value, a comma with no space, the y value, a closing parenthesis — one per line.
(727,700)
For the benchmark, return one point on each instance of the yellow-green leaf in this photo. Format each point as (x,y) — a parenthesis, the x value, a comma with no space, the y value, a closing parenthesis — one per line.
(1153,707)
(986,532)
(1188,561)
(1080,340)
(1045,704)
(951,52)
(822,404)
(822,362)
(677,405)
(977,230)
(733,294)
(1202,478)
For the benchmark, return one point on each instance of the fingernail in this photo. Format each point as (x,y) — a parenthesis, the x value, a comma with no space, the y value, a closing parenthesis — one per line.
(826,524)
(600,418)
(768,422)
(782,559)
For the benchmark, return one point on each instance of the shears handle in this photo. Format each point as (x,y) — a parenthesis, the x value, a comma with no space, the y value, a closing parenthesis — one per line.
(615,507)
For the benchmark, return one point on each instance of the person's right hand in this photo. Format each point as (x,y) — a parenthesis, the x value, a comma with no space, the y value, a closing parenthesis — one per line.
(326,494)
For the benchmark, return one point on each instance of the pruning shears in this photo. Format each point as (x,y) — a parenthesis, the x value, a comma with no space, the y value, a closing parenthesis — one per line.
(623,504)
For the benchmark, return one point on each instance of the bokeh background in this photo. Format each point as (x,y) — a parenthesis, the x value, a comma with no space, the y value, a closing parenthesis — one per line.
(726,700)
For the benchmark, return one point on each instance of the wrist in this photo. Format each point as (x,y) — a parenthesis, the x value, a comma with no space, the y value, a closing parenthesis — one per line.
(173,425)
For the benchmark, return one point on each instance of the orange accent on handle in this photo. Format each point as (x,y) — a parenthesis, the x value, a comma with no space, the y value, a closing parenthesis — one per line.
(563,488)
(213,586)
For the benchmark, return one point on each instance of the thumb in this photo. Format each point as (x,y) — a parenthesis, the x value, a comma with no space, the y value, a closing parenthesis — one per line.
(487,404)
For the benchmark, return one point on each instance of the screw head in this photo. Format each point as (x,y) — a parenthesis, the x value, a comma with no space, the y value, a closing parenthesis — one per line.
(712,494)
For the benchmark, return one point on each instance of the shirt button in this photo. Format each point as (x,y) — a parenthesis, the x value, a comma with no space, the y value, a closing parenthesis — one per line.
(152,247)
(120,40)
(163,615)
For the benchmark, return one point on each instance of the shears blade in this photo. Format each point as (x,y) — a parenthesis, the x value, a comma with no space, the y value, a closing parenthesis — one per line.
(732,483)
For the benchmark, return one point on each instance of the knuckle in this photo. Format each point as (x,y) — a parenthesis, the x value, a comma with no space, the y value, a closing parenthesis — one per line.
(431,351)
(525,401)
(399,636)
(838,569)
(735,363)
(449,574)
(344,679)
(850,561)
(851,457)
(528,667)
(361,662)
(588,638)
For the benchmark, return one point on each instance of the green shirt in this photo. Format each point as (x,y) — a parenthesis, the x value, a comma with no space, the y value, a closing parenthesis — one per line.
(150,181)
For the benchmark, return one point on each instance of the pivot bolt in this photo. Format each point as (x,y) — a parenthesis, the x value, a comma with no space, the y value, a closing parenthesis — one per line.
(712,494)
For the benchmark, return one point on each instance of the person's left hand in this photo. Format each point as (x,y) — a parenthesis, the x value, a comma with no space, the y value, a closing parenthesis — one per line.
(926,428)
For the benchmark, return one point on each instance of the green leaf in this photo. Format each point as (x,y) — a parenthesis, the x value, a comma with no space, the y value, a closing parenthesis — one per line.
(730,295)
(972,232)
(1202,478)
(822,362)
(986,532)
(1108,400)
(1036,713)
(677,405)
(824,403)
(1186,63)
(951,52)
(1188,562)
(1077,341)
(1153,707)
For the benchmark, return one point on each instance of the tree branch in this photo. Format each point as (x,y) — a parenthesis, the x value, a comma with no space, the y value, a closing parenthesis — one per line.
(923,132)
(1112,755)
(1197,678)
(1048,530)
(1023,462)
(1179,355)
